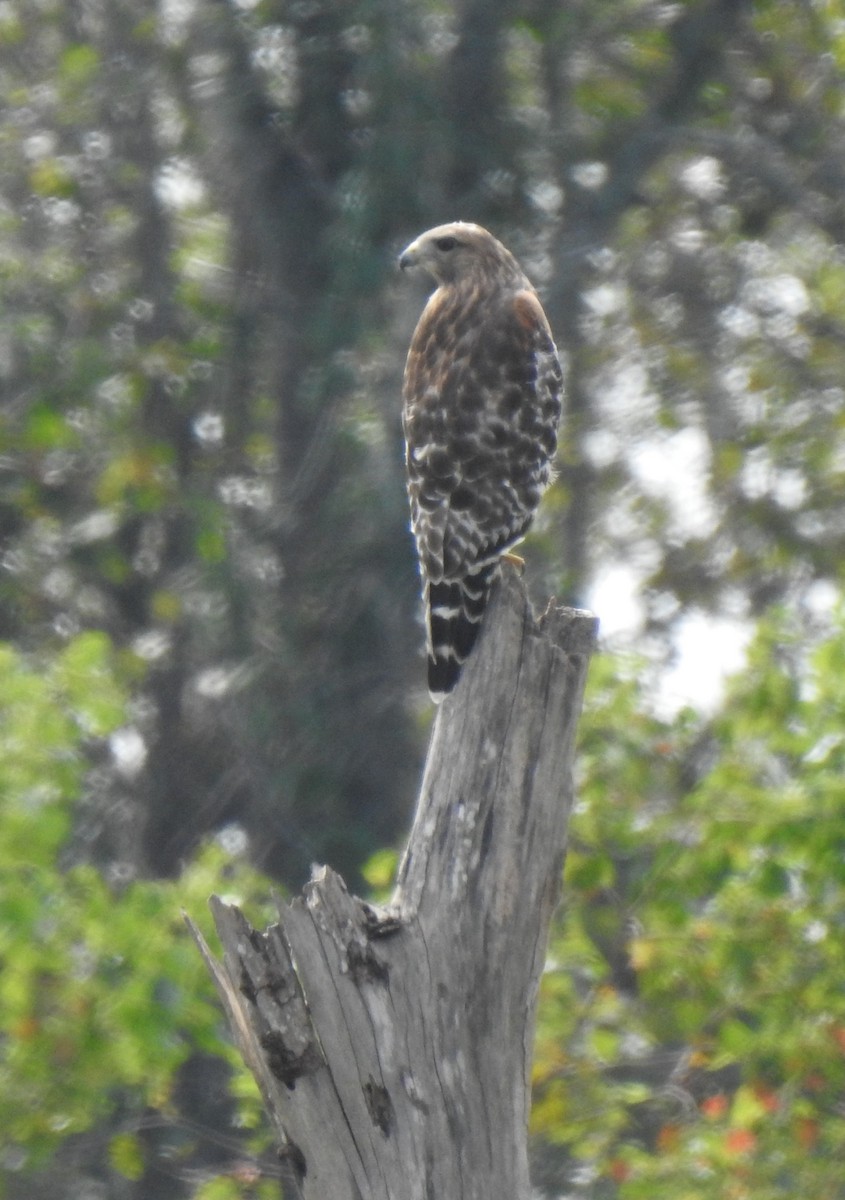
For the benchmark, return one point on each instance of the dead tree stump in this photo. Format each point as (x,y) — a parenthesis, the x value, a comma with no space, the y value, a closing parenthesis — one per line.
(393,1046)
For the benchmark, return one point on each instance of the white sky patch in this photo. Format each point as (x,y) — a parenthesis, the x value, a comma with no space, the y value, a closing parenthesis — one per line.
(129,751)
(605,298)
(815,931)
(96,527)
(739,320)
(591,175)
(233,838)
(789,294)
(615,598)
(625,395)
(215,682)
(39,145)
(209,428)
(790,490)
(760,477)
(178,186)
(675,468)
(703,178)
(708,650)
(688,237)
(175,17)
(757,473)
(548,197)
(822,598)
(152,644)
(601,447)
(777,293)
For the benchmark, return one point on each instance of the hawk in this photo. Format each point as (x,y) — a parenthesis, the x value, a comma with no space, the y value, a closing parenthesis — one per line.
(482,401)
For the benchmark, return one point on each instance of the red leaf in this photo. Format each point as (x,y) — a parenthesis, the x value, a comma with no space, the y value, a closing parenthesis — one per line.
(740,1141)
(667,1138)
(714,1107)
(618,1170)
(806,1132)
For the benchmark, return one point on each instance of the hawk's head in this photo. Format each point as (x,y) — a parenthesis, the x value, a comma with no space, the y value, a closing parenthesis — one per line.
(460,251)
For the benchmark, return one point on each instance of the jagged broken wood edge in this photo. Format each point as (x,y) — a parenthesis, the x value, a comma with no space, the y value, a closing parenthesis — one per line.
(485,851)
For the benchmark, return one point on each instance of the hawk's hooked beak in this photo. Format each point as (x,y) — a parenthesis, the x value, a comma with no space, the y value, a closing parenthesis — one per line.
(409,257)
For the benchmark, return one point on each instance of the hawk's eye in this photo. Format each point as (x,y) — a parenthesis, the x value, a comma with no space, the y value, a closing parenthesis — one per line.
(447,243)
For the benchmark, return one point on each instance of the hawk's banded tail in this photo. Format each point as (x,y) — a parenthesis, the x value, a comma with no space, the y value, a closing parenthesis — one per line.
(453,613)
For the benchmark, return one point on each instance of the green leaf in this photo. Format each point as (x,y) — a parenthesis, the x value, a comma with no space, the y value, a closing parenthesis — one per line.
(78,64)
(126,1156)
(380,869)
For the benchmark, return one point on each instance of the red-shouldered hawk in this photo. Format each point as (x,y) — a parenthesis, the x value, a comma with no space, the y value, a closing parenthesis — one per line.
(482,401)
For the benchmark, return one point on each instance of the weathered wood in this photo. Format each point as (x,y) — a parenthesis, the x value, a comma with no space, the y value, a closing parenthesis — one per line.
(393,1047)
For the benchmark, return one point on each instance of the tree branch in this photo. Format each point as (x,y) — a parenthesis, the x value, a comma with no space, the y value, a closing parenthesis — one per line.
(393,1047)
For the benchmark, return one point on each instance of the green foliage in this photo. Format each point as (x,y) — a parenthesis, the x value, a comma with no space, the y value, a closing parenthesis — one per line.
(692,1025)
(234,1188)
(379,871)
(46,715)
(126,1156)
(200,349)
(102,993)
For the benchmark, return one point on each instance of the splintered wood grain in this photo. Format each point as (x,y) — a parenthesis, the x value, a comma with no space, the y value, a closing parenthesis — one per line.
(393,1048)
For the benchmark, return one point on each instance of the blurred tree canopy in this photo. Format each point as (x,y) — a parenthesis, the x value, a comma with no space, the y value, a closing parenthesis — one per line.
(207,589)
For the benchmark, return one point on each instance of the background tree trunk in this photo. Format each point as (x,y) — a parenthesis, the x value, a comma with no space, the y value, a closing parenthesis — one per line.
(393,1047)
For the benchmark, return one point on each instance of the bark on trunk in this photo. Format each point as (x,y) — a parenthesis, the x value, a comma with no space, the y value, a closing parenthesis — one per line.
(393,1046)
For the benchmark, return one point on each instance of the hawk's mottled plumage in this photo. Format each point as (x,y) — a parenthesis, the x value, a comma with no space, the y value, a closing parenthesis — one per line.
(482,399)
